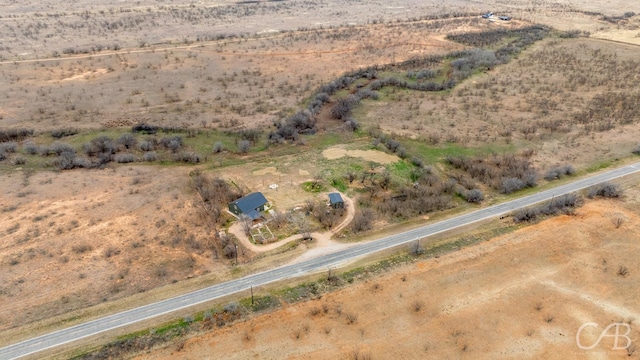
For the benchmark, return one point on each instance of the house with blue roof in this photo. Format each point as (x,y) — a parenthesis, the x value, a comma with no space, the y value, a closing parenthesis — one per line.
(250,205)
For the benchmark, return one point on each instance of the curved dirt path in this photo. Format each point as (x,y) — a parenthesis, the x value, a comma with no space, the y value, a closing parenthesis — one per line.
(323,240)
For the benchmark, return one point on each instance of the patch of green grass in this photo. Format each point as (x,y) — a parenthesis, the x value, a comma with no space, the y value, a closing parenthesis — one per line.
(432,154)
(313,187)
(84,137)
(400,170)
(260,303)
(324,140)
(599,166)
(339,184)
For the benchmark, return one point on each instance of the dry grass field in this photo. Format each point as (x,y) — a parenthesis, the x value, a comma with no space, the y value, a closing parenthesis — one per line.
(222,82)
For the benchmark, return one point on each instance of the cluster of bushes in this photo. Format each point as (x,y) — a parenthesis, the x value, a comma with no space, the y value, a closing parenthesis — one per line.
(60,133)
(215,194)
(328,217)
(342,107)
(394,146)
(14,134)
(606,110)
(606,190)
(153,129)
(473,196)
(558,172)
(464,64)
(101,150)
(428,194)
(7,148)
(526,37)
(302,122)
(470,60)
(618,18)
(564,204)
(419,86)
(362,220)
(506,173)
(423,74)
(571,34)
(493,37)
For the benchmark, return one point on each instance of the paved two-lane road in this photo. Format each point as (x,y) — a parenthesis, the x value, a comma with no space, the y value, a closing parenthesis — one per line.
(325,262)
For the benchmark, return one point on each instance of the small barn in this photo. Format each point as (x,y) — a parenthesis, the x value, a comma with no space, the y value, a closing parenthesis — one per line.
(335,200)
(250,205)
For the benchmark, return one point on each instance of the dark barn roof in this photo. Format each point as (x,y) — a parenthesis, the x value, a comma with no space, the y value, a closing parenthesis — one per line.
(335,198)
(250,202)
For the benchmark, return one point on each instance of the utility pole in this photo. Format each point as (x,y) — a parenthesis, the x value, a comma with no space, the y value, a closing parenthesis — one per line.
(251,294)
(236,245)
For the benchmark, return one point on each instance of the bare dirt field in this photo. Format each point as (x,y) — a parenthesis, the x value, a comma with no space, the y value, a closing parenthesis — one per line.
(522,295)
(73,240)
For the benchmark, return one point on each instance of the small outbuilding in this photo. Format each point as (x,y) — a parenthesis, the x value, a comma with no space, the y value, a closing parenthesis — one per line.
(335,200)
(250,205)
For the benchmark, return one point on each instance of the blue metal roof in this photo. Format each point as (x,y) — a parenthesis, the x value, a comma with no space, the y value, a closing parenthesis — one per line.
(335,198)
(250,202)
(253,214)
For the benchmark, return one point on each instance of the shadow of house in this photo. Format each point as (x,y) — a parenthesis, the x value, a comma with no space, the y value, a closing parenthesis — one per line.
(251,206)
(335,201)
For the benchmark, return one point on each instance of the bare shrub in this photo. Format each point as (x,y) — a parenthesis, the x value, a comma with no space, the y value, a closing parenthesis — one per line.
(19,160)
(127,140)
(187,157)
(150,156)
(173,143)
(357,354)
(623,271)
(218,147)
(474,196)
(101,144)
(351,125)
(124,158)
(30,148)
(617,220)
(60,148)
(244,146)
(146,145)
(14,134)
(68,161)
(506,173)
(110,251)
(417,305)
(511,185)
(560,204)
(81,248)
(606,190)
(60,133)
(558,172)
(362,220)
(8,147)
